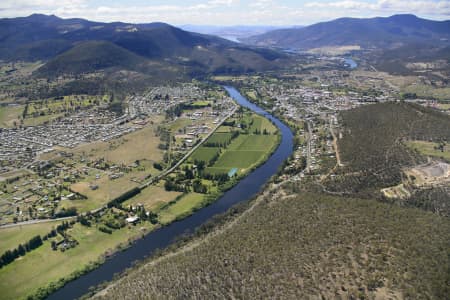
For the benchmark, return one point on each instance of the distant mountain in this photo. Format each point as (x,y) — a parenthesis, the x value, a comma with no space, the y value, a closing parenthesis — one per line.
(68,46)
(390,32)
(233,33)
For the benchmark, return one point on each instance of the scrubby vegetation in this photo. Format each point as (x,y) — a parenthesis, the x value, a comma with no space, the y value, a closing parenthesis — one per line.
(303,247)
(373,144)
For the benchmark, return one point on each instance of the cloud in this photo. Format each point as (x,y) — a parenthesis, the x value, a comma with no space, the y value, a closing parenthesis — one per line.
(225,12)
(431,8)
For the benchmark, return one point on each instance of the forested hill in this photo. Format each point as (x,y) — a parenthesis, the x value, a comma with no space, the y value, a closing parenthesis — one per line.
(42,37)
(370,33)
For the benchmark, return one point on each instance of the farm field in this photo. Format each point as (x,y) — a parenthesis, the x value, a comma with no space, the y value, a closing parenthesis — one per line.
(253,142)
(260,124)
(182,207)
(63,104)
(238,159)
(13,236)
(107,190)
(204,154)
(138,145)
(34,121)
(244,152)
(152,197)
(220,138)
(9,115)
(42,265)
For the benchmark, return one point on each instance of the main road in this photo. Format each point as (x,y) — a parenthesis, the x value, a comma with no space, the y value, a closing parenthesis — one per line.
(247,188)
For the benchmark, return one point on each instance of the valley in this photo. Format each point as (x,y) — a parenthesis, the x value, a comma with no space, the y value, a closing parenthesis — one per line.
(140,160)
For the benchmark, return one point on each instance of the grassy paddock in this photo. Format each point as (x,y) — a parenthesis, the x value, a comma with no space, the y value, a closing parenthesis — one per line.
(9,115)
(138,145)
(152,197)
(427,148)
(13,236)
(183,207)
(204,154)
(43,265)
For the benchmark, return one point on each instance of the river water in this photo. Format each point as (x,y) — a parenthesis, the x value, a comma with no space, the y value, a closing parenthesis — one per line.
(164,236)
(350,62)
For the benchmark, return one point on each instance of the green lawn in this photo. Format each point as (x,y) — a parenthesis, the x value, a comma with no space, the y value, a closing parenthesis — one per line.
(43,265)
(11,237)
(183,207)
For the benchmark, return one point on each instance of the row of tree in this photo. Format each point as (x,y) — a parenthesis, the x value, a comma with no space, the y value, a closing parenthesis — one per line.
(9,256)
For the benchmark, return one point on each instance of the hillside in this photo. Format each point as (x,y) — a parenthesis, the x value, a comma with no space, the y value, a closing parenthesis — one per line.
(307,246)
(91,56)
(41,37)
(373,149)
(378,32)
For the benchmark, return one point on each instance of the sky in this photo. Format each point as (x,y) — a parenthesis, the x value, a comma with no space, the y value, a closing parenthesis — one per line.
(225,12)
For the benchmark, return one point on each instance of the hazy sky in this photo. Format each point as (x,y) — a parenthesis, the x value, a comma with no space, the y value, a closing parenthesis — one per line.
(225,12)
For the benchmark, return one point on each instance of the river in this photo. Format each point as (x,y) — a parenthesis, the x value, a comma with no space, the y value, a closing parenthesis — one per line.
(164,236)
(350,63)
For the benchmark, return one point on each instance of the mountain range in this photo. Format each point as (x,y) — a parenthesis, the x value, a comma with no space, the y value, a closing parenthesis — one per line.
(373,33)
(74,46)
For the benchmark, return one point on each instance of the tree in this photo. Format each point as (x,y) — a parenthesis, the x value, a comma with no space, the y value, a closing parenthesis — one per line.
(21,249)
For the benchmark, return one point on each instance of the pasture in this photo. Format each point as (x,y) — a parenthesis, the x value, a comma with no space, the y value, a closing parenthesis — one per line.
(205,154)
(42,265)
(219,138)
(152,198)
(13,236)
(430,149)
(183,207)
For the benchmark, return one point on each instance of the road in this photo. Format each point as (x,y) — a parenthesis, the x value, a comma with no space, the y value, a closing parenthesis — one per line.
(308,147)
(35,222)
(335,145)
(156,178)
(170,170)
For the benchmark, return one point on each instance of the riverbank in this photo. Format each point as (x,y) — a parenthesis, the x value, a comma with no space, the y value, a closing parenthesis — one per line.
(251,185)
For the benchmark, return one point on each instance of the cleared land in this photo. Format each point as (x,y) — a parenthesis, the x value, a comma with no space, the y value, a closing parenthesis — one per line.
(43,265)
(138,145)
(107,190)
(253,142)
(204,154)
(183,207)
(11,237)
(152,197)
(260,123)
(429,149)
(238,159)
(303,247)
(9,115)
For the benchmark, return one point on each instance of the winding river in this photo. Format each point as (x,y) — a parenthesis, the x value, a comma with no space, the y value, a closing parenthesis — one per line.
(164,236)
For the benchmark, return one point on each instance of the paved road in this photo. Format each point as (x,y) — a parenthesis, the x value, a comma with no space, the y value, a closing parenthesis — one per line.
(34,222)
(161,175)
(168,171)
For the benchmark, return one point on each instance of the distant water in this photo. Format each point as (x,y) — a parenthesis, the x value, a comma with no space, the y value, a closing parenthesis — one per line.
(231,38)
(350,63)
